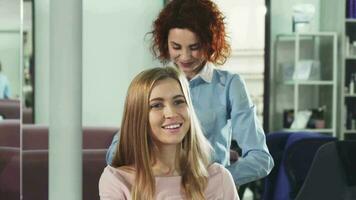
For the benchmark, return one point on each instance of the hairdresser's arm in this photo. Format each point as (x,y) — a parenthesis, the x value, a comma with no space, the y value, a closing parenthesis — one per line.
(112,149)
(255,161)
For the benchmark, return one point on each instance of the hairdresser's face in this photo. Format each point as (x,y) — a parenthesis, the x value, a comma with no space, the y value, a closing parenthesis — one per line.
(186,51)
(168,116)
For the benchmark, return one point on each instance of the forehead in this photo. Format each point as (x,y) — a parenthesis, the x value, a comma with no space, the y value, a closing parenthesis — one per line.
(182,36)
(166,88)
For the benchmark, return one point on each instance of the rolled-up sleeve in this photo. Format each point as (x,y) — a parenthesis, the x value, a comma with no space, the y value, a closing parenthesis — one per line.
(256,161)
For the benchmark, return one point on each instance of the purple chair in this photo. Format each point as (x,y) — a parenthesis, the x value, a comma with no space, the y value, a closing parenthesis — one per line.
(9,173)
(96,140)
(36,137)
(35,170)
(10,108)
(10,133)
(27,115)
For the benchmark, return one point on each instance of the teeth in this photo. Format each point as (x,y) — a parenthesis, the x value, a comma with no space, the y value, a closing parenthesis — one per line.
(173,126)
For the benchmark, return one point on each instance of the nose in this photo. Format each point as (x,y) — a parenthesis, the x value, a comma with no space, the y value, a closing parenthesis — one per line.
(186,54)
(170,112)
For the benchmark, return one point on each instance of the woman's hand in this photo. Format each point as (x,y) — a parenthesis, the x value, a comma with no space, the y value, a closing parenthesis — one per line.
(234,156)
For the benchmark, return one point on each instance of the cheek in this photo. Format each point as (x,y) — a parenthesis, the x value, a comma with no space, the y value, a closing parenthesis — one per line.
(154,119)
(185,114)
(172,53)
(198,55)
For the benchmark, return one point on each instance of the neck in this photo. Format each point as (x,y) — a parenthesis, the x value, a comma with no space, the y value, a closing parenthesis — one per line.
(166,161)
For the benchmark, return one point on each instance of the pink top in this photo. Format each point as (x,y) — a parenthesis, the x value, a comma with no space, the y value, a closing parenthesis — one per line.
(116,184)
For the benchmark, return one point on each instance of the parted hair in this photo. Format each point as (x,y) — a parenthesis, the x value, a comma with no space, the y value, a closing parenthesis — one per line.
(203,18)
(135,147)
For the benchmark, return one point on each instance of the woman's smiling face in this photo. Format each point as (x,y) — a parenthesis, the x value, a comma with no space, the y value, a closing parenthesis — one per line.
(186,51)
(168,116)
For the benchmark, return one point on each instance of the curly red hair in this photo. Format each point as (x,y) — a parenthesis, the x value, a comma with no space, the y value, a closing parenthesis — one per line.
(203,18)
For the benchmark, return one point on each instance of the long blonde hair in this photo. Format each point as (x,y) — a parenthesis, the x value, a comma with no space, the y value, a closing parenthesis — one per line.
(135,147)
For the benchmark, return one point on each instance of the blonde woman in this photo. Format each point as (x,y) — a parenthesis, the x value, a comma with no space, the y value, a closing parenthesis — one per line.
(162,152)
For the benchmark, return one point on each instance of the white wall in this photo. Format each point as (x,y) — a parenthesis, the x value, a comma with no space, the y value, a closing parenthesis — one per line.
(41,54)
(114,50)
(246,29)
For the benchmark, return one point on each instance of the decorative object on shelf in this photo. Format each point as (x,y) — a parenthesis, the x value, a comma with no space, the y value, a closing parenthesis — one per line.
(305,70)
(352,84)
(301,119)
(317,119)
(350,47)
(311,119)
(288,117)
(302,16)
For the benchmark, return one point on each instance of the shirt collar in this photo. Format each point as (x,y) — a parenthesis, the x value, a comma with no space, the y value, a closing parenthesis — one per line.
(206,73)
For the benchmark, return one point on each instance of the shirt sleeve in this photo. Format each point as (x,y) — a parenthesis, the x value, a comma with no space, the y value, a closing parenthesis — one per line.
(110,187)
(256,161)
(7,92)
(229,188)
(112,149)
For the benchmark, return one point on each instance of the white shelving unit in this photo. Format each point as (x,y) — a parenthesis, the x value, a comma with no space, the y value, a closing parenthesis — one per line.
(288,93)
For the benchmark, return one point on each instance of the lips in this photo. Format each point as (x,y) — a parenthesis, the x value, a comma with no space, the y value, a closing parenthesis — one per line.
(186,64)
(172,126)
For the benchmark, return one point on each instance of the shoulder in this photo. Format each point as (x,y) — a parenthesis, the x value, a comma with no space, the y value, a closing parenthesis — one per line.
(220,182)
(227,78)
(113,183)
(218,170)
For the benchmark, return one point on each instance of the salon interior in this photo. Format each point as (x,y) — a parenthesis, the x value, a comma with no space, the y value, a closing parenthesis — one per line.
(68,64)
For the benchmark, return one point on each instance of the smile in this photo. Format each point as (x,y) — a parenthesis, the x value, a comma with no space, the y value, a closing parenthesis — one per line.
(186,64)
(172,126)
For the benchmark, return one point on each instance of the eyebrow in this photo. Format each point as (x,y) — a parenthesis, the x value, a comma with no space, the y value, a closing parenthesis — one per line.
(192,45)
(161,99)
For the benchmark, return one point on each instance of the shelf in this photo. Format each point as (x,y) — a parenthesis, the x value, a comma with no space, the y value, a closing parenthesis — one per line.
(350,57)
(350,95)
(309,34)
(309,130)
(302,82)
(350,20)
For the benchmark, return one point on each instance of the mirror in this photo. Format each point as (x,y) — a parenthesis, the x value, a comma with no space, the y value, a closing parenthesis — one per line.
(10,94)
(28,64)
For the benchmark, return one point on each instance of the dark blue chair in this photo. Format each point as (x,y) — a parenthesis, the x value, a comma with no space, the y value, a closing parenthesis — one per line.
(293,155)
(276,143)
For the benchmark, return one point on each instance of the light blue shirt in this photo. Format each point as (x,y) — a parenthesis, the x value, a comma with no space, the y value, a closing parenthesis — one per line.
(226,112)
(4,87)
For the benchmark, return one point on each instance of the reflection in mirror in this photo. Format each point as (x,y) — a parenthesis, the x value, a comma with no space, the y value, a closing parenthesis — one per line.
(28,64)
(10,93)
